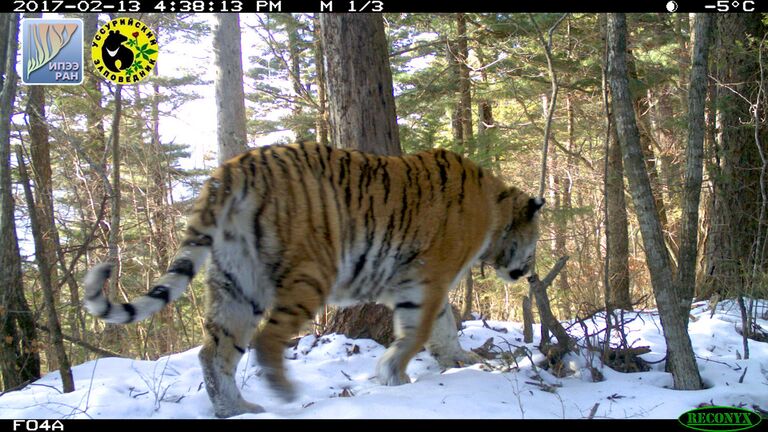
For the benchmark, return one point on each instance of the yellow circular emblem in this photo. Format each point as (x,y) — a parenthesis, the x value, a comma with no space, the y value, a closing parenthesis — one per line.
(124,51)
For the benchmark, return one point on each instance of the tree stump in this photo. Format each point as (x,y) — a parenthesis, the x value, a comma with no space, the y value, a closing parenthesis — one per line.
(370,320)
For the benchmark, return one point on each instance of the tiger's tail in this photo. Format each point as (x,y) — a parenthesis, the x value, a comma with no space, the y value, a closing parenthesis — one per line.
(169,287)
(195,248)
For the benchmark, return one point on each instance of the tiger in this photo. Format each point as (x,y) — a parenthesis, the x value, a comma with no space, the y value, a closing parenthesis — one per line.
(292,227)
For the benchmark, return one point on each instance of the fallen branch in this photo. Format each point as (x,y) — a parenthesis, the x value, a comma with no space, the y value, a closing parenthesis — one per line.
(542,300)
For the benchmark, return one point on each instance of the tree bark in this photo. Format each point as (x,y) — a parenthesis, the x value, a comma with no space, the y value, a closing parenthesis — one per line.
(19,358)
(617,225)
(465,125)
(680,357)
(736,207)
(114,223)
(697,93)
(322,99)
(465,84)
(359,83)
(535,288)
(362,116)
(42,256)
(641,107)
(161,219)
(230,97)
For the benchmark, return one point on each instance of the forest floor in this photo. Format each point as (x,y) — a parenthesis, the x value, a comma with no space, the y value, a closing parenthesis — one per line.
(335,378)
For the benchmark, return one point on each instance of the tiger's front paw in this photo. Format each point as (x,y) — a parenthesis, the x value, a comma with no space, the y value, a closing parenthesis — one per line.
(389,375)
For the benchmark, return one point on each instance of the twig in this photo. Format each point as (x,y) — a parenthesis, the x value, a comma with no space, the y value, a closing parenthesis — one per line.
(18,387)
(741,378)
(593,411)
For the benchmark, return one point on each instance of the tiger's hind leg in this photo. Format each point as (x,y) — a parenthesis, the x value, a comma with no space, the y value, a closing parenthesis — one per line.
(414,314)
(444,345)
(230,323)
(297,298)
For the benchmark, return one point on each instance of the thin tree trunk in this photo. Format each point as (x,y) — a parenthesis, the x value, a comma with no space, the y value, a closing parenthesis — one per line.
(19,358)
(465,89)
(230,97)
(617,225)
(162,222)
(535,286)
(697,93)
(680,357)
(465,124)
(114,223)
(642,111)
(41,257)
(300,130)
(322,100)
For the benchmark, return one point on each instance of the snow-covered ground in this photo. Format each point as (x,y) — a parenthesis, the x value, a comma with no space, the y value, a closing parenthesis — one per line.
(335,379)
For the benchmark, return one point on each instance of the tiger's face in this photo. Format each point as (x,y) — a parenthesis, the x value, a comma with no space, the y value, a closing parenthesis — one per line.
(513,251)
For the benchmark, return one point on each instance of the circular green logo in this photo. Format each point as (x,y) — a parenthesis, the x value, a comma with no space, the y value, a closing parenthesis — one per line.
(124,51)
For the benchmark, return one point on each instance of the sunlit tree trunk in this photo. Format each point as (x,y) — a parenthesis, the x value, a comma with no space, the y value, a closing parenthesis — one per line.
(230,98)
(680,357)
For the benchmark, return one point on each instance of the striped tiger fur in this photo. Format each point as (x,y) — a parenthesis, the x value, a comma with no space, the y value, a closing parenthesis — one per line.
(292,227)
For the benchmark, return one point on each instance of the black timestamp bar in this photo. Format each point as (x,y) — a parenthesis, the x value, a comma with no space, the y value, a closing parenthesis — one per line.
(379,6)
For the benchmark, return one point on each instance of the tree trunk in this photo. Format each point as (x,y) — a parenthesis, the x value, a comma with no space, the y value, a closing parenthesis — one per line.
(359,83)
(230,97)
(617,226)
(43,208)
(362,116)
(19,359)
(735,212)
(465,124)
(322,101)
(694,161)
(114,223)
(465,85)
(680,357)
(161,221)
(535,286)
(641,107)
(42,256)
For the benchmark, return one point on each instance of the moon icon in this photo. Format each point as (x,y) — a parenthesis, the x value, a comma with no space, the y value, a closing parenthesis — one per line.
(671,5)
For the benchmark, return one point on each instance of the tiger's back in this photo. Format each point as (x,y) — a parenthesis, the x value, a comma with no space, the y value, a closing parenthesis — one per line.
(292,227)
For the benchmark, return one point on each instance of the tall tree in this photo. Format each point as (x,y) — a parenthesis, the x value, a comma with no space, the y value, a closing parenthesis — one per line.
(736,201)
(680,358)
(362,116)
(321,121)
(464,124)
(694,160)
(42,256)
(617,227)
(19,359)
(230,98)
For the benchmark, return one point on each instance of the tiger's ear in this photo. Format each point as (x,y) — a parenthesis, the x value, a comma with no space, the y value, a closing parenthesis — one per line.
(534,205)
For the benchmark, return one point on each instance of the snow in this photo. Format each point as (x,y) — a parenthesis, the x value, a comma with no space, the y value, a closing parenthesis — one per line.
(335,379)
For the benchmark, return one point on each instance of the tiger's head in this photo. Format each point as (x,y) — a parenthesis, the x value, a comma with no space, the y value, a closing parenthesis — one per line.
(511,251)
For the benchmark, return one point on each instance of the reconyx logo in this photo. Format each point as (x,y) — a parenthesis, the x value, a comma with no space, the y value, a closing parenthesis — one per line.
(719,419)
(124,51)
(52,51)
